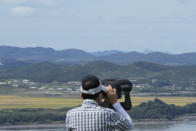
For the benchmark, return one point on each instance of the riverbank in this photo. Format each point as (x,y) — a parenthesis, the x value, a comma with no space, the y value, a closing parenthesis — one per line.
(151,110)
(62,125)
(58,125)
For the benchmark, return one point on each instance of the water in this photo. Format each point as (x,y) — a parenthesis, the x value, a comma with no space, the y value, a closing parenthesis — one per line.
(163,126)
(177,126)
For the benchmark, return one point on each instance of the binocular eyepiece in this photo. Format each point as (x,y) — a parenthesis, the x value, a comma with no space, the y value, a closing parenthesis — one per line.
(122,87)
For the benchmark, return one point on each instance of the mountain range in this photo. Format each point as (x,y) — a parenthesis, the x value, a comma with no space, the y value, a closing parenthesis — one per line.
(15,55)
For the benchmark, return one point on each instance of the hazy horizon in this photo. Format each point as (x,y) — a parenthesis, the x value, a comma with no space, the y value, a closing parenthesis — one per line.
(146,51)
(136,25)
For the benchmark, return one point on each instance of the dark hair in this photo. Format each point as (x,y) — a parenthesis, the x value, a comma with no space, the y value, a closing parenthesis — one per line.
(90,82)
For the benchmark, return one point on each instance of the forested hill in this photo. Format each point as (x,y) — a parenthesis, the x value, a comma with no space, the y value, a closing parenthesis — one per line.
(48,72)
(75,56)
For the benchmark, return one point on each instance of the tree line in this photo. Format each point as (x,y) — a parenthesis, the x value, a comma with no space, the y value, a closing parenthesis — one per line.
(155,109)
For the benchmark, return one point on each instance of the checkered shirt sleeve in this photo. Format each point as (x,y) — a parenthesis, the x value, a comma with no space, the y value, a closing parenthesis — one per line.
(91,117)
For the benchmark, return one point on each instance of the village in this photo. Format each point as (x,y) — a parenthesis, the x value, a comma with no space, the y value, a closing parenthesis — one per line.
(152,87)
(55,88)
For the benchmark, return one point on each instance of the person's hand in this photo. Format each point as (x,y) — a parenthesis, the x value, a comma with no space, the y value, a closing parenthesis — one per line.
(111,95)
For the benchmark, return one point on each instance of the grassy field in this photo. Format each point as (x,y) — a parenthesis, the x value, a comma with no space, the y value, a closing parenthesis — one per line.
(19,102)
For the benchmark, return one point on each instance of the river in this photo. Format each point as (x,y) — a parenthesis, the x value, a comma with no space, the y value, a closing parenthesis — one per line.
(144,126)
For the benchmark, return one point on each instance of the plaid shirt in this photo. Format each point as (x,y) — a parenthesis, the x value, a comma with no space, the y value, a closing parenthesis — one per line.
(91,117)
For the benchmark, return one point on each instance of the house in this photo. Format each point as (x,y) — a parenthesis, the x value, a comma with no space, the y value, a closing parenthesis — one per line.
(25,81)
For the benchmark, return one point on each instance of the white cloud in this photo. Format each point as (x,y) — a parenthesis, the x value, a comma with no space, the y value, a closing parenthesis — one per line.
(46,2)
(183,1)
(13,1)
(23,11)
(30,2)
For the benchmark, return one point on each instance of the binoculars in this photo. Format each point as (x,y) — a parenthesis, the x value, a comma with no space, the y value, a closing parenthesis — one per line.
(122,87)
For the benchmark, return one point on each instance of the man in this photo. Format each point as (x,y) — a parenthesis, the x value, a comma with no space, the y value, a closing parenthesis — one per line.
(92,117)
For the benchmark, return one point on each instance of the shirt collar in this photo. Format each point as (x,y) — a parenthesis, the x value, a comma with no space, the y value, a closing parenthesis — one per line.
(89,102)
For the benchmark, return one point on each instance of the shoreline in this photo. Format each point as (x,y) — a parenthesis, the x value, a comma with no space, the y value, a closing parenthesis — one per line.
(59,126)
(55,125)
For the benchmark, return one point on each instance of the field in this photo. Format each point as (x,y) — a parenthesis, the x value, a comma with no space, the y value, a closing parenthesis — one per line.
(19,102)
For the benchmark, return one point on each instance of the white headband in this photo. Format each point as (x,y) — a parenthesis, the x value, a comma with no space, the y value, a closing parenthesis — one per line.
(94,90)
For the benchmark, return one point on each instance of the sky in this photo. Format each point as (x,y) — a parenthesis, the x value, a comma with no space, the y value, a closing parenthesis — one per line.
(98,25)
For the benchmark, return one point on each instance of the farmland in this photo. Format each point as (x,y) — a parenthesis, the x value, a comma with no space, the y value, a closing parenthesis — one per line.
(20,102)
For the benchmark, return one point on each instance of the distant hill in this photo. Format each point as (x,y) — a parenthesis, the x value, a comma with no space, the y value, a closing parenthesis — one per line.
(48,72)
(40,54)
(105,53)
(155,57)
(76,56)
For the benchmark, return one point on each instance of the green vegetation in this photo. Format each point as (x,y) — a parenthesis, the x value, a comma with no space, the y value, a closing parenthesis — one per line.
(48,72)
(32,115)
(155,109)
(148,77)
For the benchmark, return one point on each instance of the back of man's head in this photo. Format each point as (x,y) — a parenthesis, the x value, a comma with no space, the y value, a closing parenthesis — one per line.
(90,82)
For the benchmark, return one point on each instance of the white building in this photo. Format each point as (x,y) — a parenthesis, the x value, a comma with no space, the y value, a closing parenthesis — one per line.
(25,81)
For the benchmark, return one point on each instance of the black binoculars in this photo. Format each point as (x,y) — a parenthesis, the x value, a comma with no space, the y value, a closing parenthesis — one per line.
(122,87)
